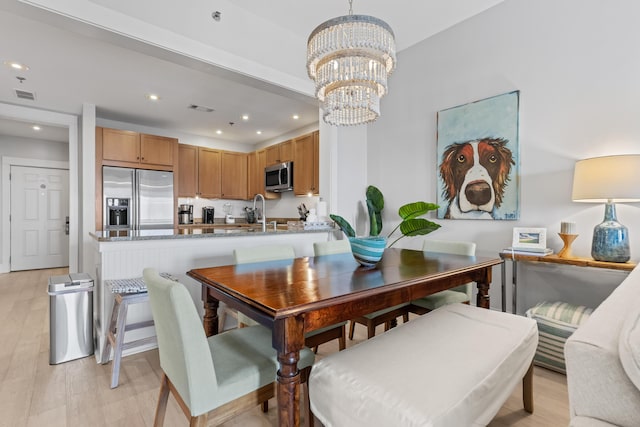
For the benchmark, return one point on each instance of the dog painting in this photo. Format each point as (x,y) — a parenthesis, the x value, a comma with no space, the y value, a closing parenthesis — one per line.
(478,160)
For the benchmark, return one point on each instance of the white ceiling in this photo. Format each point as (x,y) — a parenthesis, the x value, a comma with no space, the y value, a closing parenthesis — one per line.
(72,63)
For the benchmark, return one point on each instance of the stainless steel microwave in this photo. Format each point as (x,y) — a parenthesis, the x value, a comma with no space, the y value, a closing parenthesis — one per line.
(279,177)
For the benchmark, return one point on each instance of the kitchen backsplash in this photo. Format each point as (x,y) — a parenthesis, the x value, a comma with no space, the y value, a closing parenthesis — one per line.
(285,207)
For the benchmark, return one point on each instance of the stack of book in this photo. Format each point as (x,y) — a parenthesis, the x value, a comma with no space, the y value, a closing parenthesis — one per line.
(528,251)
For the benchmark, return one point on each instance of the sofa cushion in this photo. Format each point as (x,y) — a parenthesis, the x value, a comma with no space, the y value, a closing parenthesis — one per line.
(556,322)
(629,344)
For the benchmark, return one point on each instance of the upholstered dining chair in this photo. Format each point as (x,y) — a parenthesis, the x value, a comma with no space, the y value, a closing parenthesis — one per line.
(371,320)
(214,378)
(461,293)
(284,252)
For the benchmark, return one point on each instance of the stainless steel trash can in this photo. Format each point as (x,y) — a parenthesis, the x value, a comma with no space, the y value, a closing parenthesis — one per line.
(70,317)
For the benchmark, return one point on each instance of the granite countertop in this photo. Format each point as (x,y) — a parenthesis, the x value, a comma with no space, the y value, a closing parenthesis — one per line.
(195,231)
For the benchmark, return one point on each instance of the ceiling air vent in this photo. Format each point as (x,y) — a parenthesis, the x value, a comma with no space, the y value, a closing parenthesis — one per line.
(23,94)
(201,108)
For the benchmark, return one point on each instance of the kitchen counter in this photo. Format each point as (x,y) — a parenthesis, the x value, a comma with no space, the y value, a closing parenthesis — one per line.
(198,231)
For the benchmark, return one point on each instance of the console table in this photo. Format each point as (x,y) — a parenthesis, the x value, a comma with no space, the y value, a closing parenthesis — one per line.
(552,259)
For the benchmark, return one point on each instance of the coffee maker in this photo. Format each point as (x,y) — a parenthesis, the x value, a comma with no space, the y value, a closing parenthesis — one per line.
(207,215)
(185,214)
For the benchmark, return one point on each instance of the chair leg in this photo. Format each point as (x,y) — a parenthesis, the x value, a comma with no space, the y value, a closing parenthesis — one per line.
(527,390)
(163,397)
(199,421)
(342,341)
(352,325)
(308,415)
(371,330)
(265,406)
(117,351)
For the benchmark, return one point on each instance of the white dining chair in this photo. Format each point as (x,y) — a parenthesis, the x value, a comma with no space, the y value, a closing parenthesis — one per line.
(213,378)
(459,294)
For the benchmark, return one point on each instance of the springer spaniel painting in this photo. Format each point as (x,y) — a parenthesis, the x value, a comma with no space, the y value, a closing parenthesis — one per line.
(475,174)
(478,160)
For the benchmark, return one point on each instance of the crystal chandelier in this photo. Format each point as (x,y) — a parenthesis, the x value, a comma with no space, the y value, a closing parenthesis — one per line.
(350,58)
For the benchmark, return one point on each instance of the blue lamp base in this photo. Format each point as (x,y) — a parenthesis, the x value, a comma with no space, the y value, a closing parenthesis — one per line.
(610,238)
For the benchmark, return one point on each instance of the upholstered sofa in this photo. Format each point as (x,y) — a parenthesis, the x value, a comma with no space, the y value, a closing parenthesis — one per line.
(603,361)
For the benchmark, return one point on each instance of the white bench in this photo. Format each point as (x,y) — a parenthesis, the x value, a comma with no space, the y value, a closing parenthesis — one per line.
(455,366)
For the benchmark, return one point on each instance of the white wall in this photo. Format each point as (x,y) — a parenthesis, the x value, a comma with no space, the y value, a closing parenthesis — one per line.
(576,67)
(28,148)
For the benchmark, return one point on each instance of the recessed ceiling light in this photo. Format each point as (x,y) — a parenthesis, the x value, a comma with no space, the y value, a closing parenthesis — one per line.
(35,127)
(16,65)
(296,117)
(245,117)
(153,97)
(219,132)
(259,132)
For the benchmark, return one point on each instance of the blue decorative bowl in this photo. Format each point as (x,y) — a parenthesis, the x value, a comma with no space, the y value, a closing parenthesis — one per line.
(368,250)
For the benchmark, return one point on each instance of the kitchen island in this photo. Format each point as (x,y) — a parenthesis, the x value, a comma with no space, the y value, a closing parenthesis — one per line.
(121,254)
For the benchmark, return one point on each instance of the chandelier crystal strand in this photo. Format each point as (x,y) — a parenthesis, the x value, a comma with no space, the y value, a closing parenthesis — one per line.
(350,58)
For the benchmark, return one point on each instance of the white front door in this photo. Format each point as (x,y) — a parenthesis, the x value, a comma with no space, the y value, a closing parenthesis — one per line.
(39,215)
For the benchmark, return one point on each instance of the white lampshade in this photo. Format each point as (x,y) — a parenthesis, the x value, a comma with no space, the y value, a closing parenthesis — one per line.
(613,179)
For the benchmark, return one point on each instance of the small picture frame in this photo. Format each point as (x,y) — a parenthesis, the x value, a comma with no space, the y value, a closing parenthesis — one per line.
(529,238)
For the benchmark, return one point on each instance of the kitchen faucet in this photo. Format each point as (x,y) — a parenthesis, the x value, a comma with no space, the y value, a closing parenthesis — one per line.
(264,216)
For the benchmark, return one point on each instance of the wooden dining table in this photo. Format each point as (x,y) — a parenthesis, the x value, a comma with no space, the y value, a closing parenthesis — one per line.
(296,296)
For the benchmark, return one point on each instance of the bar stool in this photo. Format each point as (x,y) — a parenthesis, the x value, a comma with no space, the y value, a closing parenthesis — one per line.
(117,329)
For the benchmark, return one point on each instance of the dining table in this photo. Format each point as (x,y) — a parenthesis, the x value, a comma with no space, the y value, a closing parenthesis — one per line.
(293,297)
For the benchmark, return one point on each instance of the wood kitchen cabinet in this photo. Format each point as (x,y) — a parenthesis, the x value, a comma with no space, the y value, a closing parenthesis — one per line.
(212,174)
(209,183)
(306,164)
(233,175)
(132,149)
(279,153)
(187,170)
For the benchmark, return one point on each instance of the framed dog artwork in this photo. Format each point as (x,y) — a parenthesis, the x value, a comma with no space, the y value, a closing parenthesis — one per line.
(478,160)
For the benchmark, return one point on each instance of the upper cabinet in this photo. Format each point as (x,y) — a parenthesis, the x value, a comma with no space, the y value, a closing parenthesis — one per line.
(132,149)
(279,153)
(306,175)
(234,175)
(209,184)
(212,174)
(187,170)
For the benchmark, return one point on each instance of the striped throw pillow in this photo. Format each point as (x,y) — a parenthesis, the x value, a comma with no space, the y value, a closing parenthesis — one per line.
(556,322)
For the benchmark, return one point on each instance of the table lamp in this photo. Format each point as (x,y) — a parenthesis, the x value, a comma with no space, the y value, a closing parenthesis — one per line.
(609,180)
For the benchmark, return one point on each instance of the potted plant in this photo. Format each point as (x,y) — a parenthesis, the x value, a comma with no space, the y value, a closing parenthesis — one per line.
(368,250)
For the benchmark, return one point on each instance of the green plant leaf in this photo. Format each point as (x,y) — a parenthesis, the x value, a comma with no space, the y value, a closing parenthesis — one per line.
(376,197)
(375,219)
(417,227)
(344,225)
(416,209)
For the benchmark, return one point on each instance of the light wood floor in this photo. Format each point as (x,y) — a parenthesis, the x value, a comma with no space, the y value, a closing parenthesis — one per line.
(77,393)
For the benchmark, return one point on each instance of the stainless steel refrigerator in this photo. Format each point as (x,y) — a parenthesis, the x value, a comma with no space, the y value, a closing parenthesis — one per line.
(137,199)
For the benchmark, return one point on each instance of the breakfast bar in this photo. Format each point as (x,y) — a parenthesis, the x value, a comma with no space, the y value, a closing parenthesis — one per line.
(124,254)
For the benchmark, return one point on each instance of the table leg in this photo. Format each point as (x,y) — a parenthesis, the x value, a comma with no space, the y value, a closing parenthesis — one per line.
(503,282)
(210,318)
(288,340)
(482,299)
(288,390)
(514,307)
